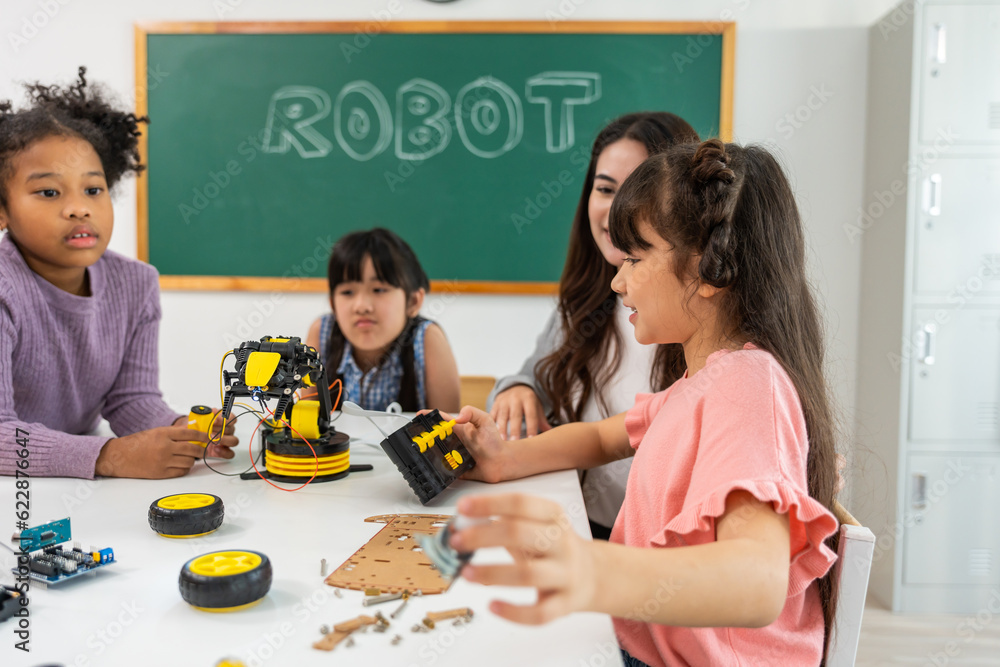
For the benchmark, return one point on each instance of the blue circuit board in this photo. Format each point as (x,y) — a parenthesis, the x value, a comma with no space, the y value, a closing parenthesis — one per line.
(50,563)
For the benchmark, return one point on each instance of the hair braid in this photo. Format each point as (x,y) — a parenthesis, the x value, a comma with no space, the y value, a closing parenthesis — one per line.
(718,187)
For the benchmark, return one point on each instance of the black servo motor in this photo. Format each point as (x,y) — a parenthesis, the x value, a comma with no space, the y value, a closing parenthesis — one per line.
(428,454)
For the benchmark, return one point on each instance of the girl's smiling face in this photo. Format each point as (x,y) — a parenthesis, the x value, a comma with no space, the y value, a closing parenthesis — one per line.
(372,313)
(59,210)
(667,309)
(650,287)
(614,164)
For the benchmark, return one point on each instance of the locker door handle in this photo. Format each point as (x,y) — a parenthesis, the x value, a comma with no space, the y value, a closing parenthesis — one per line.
(927,334)
(932,201)
(940,44)
(918,500)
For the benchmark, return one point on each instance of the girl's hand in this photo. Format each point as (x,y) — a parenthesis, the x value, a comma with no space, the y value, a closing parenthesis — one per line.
(218,448)
(548,555)
(513,405)
(223,447)
(478,432)
(158,453)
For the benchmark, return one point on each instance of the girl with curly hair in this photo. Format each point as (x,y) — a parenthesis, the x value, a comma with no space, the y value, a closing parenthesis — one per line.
(78,322)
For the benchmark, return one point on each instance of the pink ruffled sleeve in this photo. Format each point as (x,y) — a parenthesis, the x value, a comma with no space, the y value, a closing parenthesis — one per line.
(752,437)
(640,416)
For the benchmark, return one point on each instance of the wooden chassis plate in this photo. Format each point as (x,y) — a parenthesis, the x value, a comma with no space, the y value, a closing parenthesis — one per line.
(392,560)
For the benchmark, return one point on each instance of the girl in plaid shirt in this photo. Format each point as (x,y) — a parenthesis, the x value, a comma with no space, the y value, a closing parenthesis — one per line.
(375,340)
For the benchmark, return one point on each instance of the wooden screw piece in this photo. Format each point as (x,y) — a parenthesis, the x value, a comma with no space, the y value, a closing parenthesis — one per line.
(342,631)
(355,623)
(438,616)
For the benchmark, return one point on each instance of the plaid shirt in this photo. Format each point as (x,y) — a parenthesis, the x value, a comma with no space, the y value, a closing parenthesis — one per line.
(379,387)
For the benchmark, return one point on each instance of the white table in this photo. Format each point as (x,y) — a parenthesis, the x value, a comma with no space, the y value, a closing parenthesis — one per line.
(131,613)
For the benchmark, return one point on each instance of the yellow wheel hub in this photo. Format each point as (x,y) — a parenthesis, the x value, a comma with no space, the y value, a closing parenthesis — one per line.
(225,563)
(186,501)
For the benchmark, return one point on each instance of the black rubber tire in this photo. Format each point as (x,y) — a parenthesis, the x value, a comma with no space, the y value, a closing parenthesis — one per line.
(223,592)
(186,522)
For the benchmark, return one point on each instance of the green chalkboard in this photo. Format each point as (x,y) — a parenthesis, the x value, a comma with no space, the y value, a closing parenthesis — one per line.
(469,140)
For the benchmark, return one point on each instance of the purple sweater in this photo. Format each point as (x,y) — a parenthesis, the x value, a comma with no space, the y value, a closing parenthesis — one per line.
(67,360)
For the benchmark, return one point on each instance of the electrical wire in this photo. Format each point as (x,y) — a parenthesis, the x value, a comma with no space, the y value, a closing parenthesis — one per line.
(247,409)
(289,426)
(204,457)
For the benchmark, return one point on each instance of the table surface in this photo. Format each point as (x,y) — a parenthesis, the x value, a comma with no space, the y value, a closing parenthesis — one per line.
(132,612)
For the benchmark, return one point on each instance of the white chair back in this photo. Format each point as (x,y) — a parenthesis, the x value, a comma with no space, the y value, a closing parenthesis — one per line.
(854,562)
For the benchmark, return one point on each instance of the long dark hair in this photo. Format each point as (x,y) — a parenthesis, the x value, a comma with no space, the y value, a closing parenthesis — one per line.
(589,351)
(74,111)
(395,264)
(733,206)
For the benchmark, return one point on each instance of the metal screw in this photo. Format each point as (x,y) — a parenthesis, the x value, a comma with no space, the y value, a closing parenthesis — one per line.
(400,608)
(336,591)
(396,639)
(350,642)
(379,599)
(324,629)
(322,567)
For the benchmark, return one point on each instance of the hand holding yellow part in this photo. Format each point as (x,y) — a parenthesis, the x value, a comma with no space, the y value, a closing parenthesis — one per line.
(200,419)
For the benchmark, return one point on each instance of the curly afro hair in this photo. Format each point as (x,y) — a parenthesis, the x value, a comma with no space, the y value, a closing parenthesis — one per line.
(74,111)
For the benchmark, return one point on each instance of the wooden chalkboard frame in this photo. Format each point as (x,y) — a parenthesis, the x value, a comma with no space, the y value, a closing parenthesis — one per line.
(267,284)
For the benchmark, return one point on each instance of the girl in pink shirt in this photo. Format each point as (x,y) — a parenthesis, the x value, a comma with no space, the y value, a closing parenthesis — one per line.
(721,553)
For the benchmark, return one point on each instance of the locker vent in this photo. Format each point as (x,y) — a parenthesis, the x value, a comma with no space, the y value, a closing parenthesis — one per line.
(995,116)
(988,415)
(980,562)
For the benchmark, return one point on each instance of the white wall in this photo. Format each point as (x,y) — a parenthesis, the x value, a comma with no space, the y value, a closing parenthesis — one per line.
(789,55)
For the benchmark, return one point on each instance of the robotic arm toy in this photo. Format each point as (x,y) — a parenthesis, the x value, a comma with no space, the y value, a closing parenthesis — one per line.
(299,442)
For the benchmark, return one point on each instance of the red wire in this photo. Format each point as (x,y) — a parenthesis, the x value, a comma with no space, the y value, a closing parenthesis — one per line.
(254,463)
(340,391)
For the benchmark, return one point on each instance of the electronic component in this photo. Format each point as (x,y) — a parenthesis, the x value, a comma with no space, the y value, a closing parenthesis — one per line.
(10,602)
(428,454)
(49,563)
